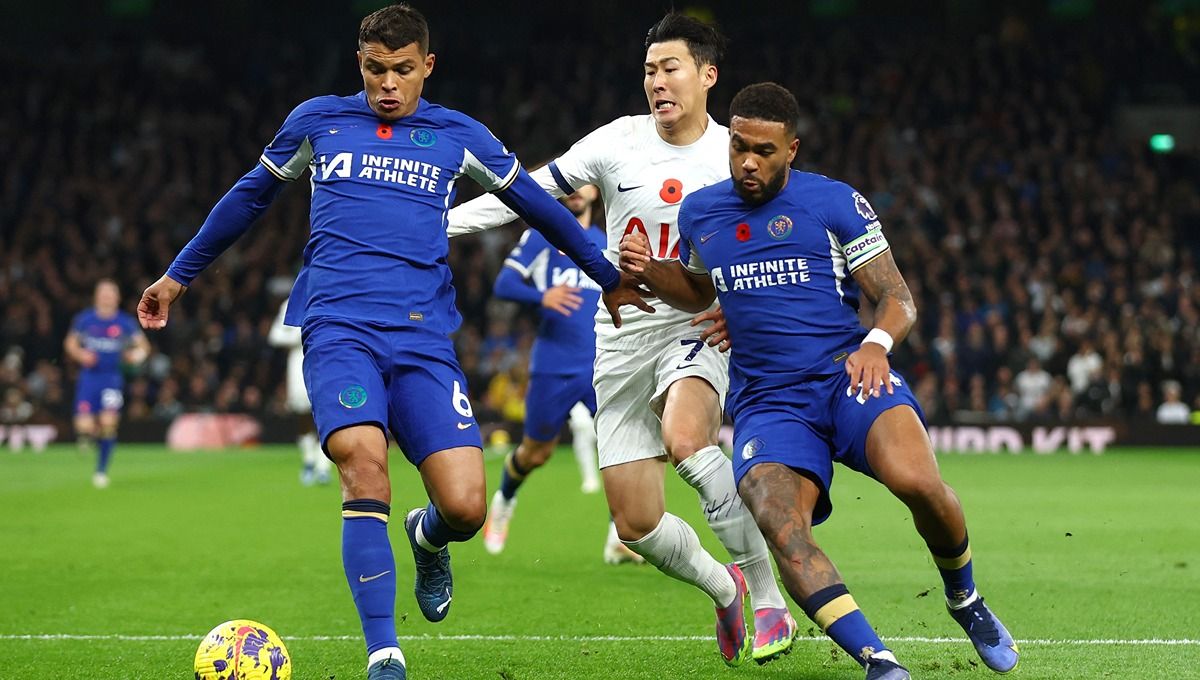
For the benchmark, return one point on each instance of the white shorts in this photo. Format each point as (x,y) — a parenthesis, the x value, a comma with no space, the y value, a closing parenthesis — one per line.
(631,390)
(297,393)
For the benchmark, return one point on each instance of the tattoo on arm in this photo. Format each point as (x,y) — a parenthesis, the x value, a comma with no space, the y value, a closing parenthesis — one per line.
(884,286)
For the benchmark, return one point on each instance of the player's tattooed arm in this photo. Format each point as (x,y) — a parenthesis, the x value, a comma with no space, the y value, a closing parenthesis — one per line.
(881,282)
(771,492)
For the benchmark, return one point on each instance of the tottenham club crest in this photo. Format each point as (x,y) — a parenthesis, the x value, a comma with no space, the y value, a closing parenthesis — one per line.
(423,137)
(779,227)
(864,209)
(353,396)
(752,447)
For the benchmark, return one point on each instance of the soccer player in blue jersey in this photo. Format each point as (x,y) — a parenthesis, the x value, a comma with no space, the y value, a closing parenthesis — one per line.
(375,303)
(100,340)
(787,253)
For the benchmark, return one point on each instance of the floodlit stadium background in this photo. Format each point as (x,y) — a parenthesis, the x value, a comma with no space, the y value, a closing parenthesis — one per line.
(1035,168)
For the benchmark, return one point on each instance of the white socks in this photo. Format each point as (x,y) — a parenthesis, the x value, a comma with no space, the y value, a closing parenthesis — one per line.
(710,473)
(675,549)
(386,653)
(583,440)
(312,455)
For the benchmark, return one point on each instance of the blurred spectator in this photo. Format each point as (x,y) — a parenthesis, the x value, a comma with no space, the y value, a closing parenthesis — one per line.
(1039,246)
(1033,385)
(1172,411)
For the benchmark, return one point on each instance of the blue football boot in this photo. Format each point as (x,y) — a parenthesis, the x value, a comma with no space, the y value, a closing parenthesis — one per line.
(434,587)
(387,669)
(996,647)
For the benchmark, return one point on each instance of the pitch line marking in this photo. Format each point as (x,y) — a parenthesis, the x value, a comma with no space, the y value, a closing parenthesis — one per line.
(1167,642)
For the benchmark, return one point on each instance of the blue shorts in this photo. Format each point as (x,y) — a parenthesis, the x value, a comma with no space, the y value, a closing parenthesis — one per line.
(99,392)
(405,380)
(809,426)
(549,400)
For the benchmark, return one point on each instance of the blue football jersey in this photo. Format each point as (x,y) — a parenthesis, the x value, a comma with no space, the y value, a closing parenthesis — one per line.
(380,194)
(566,344)
(782,274)
(107,337)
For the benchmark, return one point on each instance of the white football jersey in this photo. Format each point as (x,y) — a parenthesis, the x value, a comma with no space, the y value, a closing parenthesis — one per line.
(642,181)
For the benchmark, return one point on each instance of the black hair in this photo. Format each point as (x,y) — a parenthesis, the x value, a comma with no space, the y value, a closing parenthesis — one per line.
(704,41)
(395,26)
(766,101)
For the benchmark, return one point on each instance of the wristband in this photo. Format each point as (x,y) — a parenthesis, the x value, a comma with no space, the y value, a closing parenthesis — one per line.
(879,337)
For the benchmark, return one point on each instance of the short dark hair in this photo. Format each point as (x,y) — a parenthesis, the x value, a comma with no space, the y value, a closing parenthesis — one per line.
(395,26)
(766,101)
(704,41)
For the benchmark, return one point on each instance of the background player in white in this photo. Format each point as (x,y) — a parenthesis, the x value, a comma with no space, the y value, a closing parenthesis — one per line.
(315,466)
(659,388)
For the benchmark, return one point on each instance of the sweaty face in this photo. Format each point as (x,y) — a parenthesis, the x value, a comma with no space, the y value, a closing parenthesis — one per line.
(676,88)
(760,153)
(393,79)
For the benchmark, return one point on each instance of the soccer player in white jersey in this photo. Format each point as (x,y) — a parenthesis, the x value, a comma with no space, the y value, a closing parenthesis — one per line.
(315,466)
(659,387)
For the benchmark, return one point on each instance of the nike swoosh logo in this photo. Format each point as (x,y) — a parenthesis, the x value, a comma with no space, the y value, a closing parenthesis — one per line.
(713,508)
(681,366)
(624,189)
(368,579)
(334,132)
(463,426)
(442,607)
(707,236)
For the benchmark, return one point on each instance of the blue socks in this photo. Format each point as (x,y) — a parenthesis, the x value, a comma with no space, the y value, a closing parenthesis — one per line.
(834,610)
(512,478)
(954,564)
(107,444)
(370,570)
(437,533)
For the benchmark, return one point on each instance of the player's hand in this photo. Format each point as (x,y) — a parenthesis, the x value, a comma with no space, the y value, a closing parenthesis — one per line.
(630,292)
(562,299)
(868,368)
(87,358)
(635,253)
(156,300)
(716,335)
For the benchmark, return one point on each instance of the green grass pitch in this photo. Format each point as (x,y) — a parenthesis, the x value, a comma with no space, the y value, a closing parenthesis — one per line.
(1093,562)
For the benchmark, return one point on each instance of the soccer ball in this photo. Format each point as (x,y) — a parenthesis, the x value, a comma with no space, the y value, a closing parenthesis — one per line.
(242,650)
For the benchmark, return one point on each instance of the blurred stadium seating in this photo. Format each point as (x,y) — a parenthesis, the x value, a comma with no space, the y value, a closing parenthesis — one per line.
(1052,253)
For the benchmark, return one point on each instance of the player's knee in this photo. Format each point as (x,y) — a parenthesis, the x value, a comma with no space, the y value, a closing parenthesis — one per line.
(912,487)
(634,526)
(534,454)
(681,445)
(464,512)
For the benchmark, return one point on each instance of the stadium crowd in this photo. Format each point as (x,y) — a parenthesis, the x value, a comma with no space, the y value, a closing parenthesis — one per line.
(1054,264)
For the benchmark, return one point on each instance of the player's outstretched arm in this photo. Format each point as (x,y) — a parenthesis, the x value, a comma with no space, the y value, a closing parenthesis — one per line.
(488,211)
(529,200)
(228,220)
(665,278)
(895,314)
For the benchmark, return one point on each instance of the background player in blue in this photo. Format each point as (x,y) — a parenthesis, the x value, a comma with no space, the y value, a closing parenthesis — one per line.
(100,340)
(375,303)
(809,385)
(560,364)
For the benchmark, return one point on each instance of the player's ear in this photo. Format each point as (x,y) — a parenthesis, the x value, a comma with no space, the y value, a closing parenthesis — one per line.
(429,59)
(709,75)
(792,149)
(358,58)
